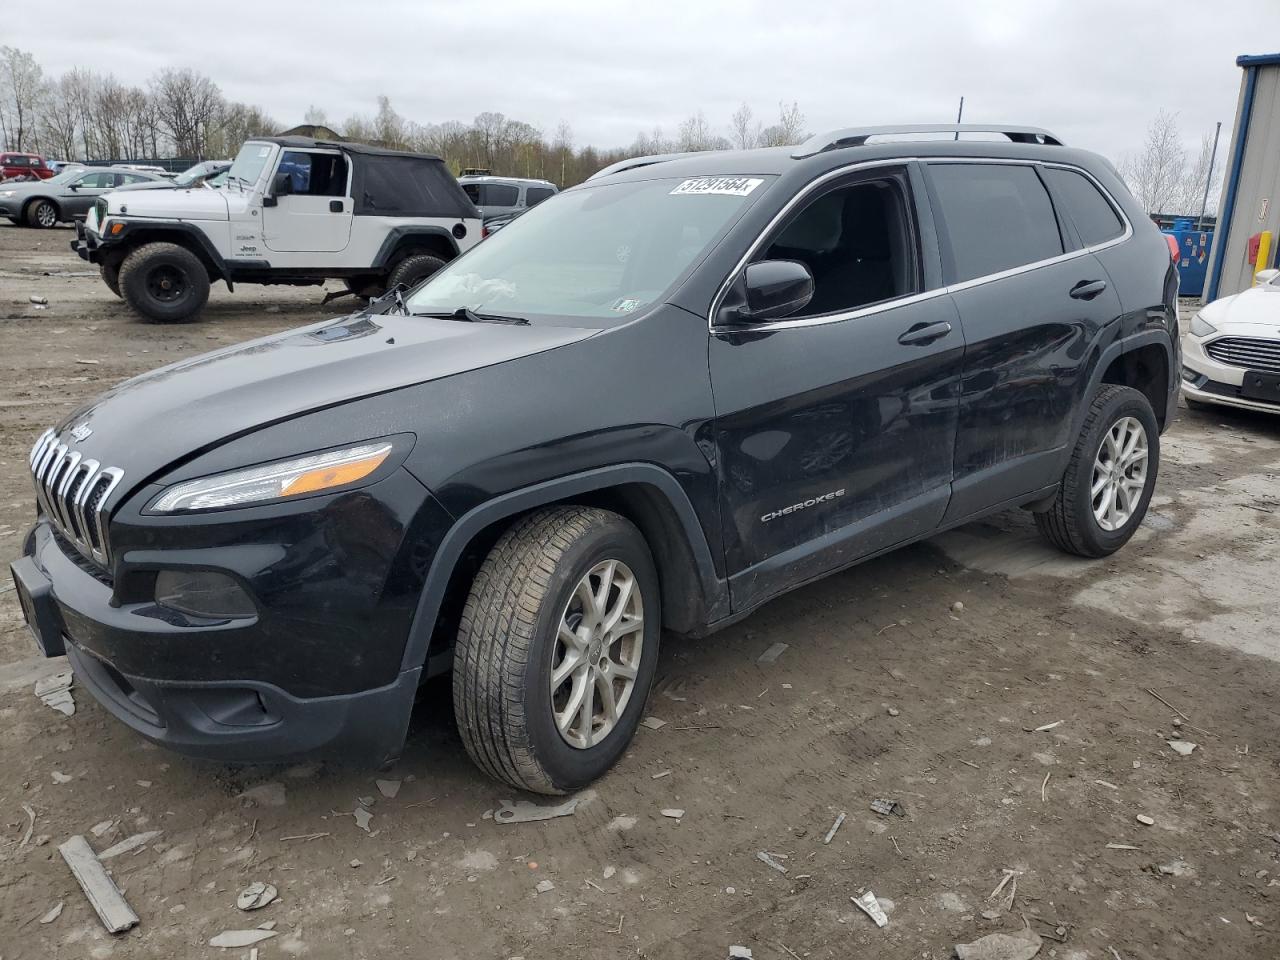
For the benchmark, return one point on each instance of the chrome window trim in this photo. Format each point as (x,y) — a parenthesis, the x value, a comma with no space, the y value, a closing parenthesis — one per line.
(826,318)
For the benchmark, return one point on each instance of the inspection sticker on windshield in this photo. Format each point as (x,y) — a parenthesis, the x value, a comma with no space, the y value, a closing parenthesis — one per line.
(722,186)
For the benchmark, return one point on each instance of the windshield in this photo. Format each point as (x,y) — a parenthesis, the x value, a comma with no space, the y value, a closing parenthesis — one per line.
(248,164)
(601,251)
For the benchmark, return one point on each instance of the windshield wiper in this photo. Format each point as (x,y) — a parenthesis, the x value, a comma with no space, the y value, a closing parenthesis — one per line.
(467,315)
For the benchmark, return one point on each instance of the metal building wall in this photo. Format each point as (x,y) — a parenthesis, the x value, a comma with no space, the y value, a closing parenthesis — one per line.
(1250,201)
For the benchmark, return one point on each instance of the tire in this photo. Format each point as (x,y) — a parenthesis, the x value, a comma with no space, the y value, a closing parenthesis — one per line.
(145,273)
(509,640)
(42,214)
(1072,523)
(111,277)
(413,269)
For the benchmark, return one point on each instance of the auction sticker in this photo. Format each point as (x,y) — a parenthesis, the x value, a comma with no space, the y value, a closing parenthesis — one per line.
(721,186)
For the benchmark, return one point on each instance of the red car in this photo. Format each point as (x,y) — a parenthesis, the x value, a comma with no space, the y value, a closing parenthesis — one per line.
(24,165)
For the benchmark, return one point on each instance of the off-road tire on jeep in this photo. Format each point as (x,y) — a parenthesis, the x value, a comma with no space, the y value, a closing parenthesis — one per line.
(42,214)
(145,273)
(1070,523)
(412,270)
(111,277)
(510,633)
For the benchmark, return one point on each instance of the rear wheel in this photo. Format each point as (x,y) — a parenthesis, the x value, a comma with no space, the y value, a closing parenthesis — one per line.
(164,282)
(1110,478)
(557,647)
(412,270)
(42,213)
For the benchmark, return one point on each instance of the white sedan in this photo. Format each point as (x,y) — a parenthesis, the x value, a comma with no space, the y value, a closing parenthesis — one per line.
(1231,352)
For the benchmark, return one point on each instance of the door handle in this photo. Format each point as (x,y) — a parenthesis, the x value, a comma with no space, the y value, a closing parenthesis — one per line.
(1088,289)
(924,333)
(335,206)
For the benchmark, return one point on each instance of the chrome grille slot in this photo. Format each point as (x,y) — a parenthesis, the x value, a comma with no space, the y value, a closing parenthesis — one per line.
(1252,353)
(73,492)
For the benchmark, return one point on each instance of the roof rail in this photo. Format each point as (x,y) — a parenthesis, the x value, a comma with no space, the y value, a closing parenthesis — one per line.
(636,162)
(857,136)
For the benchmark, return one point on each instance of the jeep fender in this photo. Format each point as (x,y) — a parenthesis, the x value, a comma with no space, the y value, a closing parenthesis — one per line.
(138,232)
(408,232)
(714,591)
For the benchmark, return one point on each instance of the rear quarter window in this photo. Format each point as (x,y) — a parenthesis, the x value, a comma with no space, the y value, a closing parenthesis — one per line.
(1092,214)
(995,217)
(535,195)
(499,195)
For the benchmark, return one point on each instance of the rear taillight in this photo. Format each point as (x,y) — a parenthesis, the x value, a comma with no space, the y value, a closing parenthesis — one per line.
(484,232)
(1173,247)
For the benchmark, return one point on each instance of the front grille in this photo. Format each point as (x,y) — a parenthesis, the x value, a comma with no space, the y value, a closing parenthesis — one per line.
(72,492)
(100,205)
(1252,353)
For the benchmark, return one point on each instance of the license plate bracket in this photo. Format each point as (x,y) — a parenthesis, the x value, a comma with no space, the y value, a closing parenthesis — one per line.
(1258,385)
(35,597)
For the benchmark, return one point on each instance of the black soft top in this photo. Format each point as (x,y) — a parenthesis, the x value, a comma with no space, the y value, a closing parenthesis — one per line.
(394,183)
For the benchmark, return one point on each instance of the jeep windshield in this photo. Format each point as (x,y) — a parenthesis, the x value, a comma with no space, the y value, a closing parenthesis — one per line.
(248,164)
(602,251)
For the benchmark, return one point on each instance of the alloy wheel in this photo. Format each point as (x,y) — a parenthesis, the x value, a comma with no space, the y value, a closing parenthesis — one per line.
(46,216)
(1119,474)
(596,656)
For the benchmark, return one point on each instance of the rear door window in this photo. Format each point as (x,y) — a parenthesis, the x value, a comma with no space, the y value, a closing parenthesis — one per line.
(1094,217)
(500,195)
(995,217)
(535,195)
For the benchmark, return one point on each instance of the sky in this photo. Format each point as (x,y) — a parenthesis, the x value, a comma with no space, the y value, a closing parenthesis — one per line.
(1094,73)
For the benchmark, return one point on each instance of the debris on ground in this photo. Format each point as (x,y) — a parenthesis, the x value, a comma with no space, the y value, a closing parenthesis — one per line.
(102,827)
(1183,747)
(270,794)
(739,953)
(769,860)
(893,711)
(660,774)
(869,905)
(54,913)
(31,823)
(885,807)
(256,896)
(388,788)
(1145,820)
(42,301)
(957,607)
(545,886)
(1004,881)
(834,827)
(362,817)
(773,653)
(55,692)
(522,811)
(1022,945)
(673,813)
(653,723)
(129,844)
(61,777)
(112,908)
(1045,727)
(241,938)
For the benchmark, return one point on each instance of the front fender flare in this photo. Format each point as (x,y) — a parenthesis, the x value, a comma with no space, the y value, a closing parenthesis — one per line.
(451,548)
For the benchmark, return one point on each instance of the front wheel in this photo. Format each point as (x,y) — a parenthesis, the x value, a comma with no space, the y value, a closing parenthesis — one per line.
(1110,478)
(557,647)
(412,270)
(164,282)
(42,214)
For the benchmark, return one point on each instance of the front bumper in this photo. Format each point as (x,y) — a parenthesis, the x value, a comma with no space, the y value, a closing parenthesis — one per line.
(87,244)
(1208,381)
(10,207)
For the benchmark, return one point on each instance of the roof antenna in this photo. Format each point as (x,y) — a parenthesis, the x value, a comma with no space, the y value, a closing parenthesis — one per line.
(959,114)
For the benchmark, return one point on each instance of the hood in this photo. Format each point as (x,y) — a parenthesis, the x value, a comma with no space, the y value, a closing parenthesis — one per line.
(176,203)
(1257,306)
(25,186)
(150,422)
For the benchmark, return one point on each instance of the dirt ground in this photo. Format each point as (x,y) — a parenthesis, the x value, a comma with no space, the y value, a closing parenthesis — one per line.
(887,689)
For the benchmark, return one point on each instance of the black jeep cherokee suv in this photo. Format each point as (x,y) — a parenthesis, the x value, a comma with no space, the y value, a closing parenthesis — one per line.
(658,400)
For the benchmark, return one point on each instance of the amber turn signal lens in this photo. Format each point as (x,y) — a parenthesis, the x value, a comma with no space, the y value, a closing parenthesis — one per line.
(116,228)
(326,477)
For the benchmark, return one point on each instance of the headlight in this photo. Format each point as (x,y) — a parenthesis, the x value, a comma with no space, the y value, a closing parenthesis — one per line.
(1200,327)
(289,478)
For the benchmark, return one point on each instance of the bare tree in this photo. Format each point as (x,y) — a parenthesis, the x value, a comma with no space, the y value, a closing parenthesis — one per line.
(695,134)
(187,103)
(745,134)
(1161,174)
(489,128)
(787,131)
(21,90)
(563,146)
(315,116)
(389,126)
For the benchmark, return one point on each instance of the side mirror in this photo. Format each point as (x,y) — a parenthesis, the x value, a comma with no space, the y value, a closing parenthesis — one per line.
(282,185)
(73,186)
(1264,277)
(774,289)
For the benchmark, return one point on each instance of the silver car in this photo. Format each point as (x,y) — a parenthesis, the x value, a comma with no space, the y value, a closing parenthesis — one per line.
(65,197)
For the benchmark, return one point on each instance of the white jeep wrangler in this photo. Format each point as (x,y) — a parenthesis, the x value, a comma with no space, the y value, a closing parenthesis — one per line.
(292,210)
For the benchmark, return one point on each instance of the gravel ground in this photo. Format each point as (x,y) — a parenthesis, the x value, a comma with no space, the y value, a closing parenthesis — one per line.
(885,690)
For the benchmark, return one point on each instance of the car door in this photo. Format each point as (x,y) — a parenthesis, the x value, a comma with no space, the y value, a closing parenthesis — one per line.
(315,217)
(1031,302)
(76,197)
(835,427)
